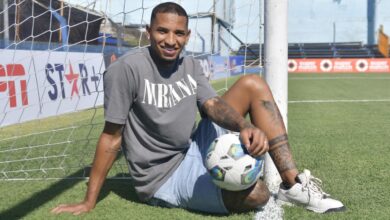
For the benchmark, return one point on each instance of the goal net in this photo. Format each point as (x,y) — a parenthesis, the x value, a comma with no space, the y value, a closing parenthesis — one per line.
(53,54)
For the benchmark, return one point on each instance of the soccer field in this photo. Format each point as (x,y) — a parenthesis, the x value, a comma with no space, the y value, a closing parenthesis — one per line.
(338,127)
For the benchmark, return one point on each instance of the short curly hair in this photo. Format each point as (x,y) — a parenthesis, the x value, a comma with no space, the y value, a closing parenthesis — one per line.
(168,7)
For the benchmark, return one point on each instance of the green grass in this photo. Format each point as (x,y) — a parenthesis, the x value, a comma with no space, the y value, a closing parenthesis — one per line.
(346,144)
(343,143)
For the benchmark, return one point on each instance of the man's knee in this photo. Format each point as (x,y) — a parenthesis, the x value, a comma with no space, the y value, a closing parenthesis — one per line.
(249,199)
(253,83)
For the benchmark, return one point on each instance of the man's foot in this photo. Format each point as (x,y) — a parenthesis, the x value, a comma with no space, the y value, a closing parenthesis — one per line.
(309,194)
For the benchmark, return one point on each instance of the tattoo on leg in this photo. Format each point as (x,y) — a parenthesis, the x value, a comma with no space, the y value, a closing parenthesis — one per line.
(282,158)
(275,142)
(279,149)
(273,109)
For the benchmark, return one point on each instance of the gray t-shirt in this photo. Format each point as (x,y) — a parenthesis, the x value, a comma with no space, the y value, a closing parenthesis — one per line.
(158,111)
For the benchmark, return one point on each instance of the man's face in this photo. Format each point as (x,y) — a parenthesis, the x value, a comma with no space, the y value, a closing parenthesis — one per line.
(168,35)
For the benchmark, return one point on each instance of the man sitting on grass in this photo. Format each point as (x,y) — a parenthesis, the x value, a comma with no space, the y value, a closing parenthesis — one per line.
(151,99)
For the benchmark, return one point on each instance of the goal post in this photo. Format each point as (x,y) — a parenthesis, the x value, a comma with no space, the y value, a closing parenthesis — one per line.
(276,74)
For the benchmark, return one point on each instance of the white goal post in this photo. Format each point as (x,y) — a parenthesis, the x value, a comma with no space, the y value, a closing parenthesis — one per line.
(276,74)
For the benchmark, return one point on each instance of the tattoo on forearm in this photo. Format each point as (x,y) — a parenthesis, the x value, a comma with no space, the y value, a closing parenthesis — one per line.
(225,116)
(282,158)
(277,141)
(272,108)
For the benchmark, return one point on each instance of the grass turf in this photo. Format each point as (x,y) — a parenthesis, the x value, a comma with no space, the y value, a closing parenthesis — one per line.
(343,143)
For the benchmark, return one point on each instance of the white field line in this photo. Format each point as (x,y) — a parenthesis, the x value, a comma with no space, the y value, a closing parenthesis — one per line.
(273,210)
(338,101)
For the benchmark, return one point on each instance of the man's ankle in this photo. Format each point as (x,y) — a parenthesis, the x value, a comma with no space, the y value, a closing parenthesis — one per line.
(289,178)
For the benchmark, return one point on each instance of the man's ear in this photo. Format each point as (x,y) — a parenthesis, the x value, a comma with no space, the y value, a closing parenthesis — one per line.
(148,31)
(188,35)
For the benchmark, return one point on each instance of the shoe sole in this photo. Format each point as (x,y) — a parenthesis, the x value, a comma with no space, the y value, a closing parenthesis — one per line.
(339,209)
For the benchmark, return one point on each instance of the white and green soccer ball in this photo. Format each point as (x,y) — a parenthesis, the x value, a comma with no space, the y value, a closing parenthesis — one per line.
(230,165)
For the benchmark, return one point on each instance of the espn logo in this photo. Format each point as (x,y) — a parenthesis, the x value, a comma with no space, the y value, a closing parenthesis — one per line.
(7,84)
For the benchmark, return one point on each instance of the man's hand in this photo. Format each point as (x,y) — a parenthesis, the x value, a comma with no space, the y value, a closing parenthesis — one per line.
(75,209)
(255,141)
(225,116)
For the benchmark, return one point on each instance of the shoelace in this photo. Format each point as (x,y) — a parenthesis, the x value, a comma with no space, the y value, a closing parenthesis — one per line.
(313,186)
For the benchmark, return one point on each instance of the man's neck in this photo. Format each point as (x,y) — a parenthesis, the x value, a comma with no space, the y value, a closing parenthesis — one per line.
(163,65)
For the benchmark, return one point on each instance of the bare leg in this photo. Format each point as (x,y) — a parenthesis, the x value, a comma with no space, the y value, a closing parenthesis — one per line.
(250,94)
(246,200)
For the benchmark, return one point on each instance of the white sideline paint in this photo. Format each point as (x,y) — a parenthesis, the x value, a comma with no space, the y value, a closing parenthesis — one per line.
(271,211)
(338,101)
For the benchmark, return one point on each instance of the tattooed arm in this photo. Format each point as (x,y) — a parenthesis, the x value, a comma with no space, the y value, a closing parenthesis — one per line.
(225,116)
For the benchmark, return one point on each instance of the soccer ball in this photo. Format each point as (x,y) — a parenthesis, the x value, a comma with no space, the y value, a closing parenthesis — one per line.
(230,165)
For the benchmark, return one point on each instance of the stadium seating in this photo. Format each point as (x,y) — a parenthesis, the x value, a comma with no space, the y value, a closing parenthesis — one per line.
(317,50)
(333,50)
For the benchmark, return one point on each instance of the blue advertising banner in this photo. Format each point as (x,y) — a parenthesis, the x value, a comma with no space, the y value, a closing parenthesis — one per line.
(236,65)
(219,67)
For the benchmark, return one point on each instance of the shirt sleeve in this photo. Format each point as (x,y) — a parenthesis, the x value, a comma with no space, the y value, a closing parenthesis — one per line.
(118,92)
(204,89)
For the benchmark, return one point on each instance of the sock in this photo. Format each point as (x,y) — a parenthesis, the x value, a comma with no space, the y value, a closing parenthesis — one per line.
(297,180)
(287,185)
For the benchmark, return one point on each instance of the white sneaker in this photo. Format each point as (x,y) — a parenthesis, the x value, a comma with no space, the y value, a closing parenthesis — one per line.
(309,194)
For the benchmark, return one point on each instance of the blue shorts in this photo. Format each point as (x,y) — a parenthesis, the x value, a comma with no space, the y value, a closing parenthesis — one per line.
(191,186)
